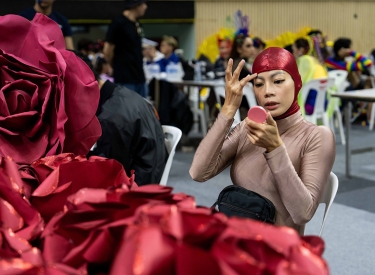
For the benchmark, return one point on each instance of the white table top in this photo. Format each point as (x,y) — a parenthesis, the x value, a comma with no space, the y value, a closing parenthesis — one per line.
(362,95)
(202,83)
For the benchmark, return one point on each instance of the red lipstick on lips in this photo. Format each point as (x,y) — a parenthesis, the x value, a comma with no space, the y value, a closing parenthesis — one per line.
(271,105)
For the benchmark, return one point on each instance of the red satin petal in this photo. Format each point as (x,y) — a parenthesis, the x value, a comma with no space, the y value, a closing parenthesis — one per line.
(136,257)
(9,216)
(192,260)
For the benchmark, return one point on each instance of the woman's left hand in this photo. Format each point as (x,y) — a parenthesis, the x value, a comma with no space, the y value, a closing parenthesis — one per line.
(265,134)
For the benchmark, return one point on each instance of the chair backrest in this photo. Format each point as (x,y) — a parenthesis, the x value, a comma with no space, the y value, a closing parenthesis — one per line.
(320,85)
(172,137)
(248,92)
(220,93)
(339,76)
(328,196)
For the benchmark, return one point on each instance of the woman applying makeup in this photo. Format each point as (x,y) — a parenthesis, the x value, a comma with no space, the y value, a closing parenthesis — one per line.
(285,159)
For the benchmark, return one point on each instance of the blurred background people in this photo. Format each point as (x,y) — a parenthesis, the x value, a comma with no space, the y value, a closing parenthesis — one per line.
(167,47)
(259,46)
(123,47)
(321,40)
(84,46)
(225,46)
(102,67)
(45,7)
(149,51)
(345,58)
(242,48)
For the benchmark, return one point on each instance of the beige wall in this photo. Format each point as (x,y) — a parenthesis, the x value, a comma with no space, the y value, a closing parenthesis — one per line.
(271,18)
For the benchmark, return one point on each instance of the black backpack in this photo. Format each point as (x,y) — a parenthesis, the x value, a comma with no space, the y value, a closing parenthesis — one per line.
(238,201)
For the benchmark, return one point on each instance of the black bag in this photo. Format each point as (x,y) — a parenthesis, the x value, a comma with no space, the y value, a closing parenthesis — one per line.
(238,201)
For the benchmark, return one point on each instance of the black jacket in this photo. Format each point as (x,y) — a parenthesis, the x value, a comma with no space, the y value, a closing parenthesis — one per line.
(131,134)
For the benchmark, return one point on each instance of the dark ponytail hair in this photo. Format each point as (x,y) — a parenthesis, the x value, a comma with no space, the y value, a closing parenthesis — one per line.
(341,43)
(302,43)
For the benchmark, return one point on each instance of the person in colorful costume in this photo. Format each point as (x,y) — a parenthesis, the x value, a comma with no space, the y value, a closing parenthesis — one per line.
(225,46)
(243,45)
(342,50)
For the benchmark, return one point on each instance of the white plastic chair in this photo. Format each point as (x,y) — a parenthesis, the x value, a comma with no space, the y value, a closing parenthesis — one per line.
(321,85)
(195,97)
(372,116)
(172,137)
(248,92)
(340,83)
(327,198)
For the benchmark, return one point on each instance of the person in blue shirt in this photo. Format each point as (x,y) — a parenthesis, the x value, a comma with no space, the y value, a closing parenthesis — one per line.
(45,7)
(167,47)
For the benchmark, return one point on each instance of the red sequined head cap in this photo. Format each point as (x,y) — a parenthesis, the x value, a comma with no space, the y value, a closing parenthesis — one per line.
(279,59)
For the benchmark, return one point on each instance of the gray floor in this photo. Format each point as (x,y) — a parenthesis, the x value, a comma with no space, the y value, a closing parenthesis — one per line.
(348,233)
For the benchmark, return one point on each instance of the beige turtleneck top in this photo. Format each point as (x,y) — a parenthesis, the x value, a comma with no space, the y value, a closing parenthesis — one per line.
(292,176)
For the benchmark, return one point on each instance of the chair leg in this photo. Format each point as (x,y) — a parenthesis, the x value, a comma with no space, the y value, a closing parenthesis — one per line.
(203,122)
(341,126)
(372,117)
(237,118)
(332,123)
(326,120)
(207,112)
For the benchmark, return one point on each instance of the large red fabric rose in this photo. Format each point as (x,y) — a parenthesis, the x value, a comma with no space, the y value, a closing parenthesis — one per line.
(48,96)
(16,213)
(63,175)
(18,256)
(148,230)
(126,229)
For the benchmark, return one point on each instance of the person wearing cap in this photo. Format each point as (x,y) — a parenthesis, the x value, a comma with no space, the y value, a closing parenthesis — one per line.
(167,47)
(286,158)
(123,47)
(45,7)
(150,54)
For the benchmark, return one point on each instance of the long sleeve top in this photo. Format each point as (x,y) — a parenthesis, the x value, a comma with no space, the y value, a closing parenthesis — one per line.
(163,63)
(292,176)
(359,63)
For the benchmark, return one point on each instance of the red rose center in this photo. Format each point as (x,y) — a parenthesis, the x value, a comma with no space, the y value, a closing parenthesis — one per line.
(18,97)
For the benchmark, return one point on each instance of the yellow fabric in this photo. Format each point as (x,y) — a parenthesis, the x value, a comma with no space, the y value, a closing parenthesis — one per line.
(287,38)
(209,46)
(204,93)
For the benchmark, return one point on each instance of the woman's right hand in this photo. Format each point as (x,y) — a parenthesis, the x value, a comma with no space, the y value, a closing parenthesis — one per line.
(233,88)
